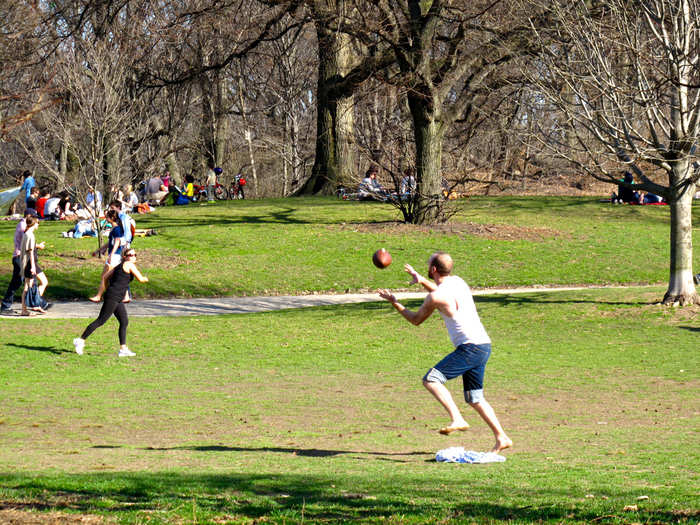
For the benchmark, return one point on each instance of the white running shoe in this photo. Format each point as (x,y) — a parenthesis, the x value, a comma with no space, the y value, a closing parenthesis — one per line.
(125,352)
(79,344)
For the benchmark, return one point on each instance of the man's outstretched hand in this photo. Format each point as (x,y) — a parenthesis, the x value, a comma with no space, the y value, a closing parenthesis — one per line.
(416,276)
(386,294)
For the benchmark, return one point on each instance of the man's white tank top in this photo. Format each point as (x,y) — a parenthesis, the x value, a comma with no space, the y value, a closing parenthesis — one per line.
(465,326)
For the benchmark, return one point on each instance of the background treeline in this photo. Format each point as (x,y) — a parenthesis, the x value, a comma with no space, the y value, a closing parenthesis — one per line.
(110,92)
(304,95)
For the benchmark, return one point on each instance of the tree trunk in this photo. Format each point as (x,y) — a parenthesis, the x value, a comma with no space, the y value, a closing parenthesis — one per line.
(325,160)
(248,136)
(334,160)
(173,168)
(286,156)
(206,129)
(110,176)
(681,289)
(62,164)
(429,133)
(297,171)
(221,135)
(220,120)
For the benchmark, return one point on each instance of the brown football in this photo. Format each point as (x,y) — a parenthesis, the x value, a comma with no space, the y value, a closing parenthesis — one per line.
(381,258)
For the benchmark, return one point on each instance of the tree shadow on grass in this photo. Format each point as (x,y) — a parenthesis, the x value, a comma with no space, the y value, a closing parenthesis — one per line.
(551,297)
(282,216)
(35,348)
(336,496)
(690,328)
(311,452)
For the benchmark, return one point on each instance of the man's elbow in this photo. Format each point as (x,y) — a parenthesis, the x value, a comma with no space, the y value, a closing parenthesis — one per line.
(415,320)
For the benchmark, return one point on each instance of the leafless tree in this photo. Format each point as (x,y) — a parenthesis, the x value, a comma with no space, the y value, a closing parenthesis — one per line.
(278,96)
(25,88)
(97,122)
(626,77)
(448,57)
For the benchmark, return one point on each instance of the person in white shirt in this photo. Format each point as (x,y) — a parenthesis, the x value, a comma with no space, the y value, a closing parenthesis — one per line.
(452,298)
(51,209)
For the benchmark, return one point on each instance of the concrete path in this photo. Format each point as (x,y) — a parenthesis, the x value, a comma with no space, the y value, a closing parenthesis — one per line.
(243,305)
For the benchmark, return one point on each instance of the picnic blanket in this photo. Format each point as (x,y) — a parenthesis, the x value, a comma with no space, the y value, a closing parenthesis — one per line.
(459,455)
(7,197)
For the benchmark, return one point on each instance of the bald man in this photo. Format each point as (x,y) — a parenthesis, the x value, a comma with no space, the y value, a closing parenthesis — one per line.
(452,298)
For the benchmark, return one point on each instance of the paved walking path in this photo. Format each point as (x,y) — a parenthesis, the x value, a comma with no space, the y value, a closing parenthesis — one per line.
(243,305)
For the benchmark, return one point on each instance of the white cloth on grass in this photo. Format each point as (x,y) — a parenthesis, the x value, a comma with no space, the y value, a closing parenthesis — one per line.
(459,455)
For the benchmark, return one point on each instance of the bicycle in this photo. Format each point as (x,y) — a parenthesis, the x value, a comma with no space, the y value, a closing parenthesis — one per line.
(202,192)
(236,190)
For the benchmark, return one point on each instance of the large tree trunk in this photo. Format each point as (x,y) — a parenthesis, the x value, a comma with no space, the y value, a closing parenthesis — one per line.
(62,162)
(206,129)
(681,288)
(429,134)
(334,160)
(248,133)
(173,168)
(165,142)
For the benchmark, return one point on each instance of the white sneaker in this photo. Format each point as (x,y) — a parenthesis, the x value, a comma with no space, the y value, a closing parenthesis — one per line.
(125,352)
(79,344)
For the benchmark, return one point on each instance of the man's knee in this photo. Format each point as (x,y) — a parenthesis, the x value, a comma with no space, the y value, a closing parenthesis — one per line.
(474,397)
(434,376)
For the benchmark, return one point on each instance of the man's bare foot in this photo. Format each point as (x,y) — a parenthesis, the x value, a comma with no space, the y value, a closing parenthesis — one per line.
(455,426)
(95,299)
(502,443)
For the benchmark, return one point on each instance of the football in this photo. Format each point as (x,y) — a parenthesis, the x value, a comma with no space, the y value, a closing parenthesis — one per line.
(381,258)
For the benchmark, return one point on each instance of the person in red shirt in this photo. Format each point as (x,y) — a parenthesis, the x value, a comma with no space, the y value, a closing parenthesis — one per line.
(45,195)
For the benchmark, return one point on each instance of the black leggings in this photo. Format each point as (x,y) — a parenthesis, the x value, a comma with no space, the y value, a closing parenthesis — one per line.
(109,307)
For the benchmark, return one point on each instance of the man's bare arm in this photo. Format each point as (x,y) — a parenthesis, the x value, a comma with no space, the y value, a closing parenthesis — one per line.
(419,279)
(415,318)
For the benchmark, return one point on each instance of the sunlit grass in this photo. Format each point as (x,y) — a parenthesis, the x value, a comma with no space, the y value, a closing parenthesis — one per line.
(318,416)
(321,244)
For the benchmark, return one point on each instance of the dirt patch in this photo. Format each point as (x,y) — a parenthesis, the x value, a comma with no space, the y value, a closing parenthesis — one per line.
(498,232)
(557,185)
(17,516)
(146,259)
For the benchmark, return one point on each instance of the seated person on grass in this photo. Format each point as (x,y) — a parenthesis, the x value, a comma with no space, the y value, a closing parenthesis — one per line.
(625,194)
(41,202)
(189,187)
(33,197)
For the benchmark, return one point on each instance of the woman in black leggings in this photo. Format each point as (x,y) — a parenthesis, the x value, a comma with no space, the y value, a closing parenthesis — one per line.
(116,282)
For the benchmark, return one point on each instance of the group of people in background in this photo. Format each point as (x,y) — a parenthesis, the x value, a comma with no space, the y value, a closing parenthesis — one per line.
(120,263)
(371,189)
(627,195)
(119,269)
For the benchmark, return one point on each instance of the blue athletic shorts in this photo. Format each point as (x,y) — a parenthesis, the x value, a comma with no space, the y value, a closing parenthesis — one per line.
(467,360)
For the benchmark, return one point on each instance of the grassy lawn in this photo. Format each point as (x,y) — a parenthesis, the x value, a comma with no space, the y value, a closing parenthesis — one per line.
(308,245)
(318,416)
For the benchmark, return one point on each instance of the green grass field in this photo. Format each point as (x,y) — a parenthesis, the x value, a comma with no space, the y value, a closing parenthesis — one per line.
(318,415)
(310,245)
